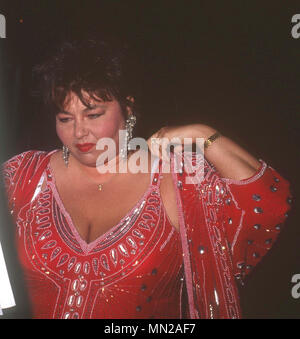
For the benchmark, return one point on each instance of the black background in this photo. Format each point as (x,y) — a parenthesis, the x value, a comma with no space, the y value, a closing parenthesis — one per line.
(230,64)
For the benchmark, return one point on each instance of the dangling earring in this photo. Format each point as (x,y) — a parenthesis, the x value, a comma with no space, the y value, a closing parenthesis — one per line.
(129,125)
(65,155)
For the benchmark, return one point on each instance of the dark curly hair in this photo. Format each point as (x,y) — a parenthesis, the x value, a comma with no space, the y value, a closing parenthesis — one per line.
(104,68)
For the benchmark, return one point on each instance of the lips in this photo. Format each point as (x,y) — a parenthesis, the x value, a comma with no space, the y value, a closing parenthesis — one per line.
(84,147)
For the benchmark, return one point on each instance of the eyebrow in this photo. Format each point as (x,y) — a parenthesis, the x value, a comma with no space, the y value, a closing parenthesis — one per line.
(85,110)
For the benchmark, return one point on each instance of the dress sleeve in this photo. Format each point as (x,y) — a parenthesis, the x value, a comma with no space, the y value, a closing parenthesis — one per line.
(254,210)
(10,171)
(251,212)
(226,227)
(18,175)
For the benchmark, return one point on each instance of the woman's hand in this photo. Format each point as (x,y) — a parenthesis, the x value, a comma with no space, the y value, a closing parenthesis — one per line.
(160,141)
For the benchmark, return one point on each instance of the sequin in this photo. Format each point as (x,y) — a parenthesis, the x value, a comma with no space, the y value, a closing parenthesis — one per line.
(256,197)
(131,242)
(154,271)
(138,234)
(55,253)
(42,220)
(79,301)
(201,249)
(71,263)
(63,259)
(143,225)
(228,201)
(216,297)
(45,235)
(71,300)
(95,265)
(273,188)
(114,256)
(258,210)
(104,262)
(83,285)
(241,265)
(77,268)
(44,226)
(257,226)
(75,285)
(86,268)
(123,250)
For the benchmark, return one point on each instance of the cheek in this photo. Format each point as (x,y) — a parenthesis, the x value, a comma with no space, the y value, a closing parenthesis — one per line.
(62,133)
(110,128)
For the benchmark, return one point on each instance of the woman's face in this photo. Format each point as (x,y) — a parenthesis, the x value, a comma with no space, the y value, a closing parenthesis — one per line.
(79,127)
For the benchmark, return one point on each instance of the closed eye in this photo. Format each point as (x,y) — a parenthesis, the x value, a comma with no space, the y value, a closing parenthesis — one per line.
(90,116)
(94,116)
(63,119)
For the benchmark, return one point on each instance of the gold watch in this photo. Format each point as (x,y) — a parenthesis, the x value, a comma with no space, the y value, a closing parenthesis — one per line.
(211,139)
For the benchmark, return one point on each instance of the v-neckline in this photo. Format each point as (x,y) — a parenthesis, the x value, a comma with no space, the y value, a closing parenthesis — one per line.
(88,246)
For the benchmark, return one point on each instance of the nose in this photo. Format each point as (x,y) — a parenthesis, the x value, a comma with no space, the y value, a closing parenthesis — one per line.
(80,129)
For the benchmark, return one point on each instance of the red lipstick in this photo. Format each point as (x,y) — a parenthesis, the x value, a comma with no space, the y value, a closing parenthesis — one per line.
(84,147)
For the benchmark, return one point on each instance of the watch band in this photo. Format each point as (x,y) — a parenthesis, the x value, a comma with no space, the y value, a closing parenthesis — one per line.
(211,139)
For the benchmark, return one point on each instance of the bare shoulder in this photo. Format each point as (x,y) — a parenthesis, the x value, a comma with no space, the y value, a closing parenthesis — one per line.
(58,167)
(56,159)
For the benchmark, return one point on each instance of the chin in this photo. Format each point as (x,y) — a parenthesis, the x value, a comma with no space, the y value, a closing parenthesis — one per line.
(87,159)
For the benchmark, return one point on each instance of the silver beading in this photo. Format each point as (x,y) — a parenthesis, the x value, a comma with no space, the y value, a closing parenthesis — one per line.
(65,155)
(129,125)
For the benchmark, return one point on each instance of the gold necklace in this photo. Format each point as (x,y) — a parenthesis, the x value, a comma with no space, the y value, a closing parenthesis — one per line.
(100,186)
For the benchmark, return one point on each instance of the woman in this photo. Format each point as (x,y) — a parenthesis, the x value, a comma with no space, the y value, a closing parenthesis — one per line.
(120,244)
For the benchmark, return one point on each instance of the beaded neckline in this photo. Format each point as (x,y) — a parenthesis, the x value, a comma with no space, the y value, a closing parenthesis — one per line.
(116,229)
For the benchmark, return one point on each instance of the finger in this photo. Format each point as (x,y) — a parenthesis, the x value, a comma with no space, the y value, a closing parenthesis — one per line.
(153,145)
(178,149)
(165,150)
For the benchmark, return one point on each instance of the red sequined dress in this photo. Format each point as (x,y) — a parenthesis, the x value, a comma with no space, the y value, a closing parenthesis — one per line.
(143,267)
